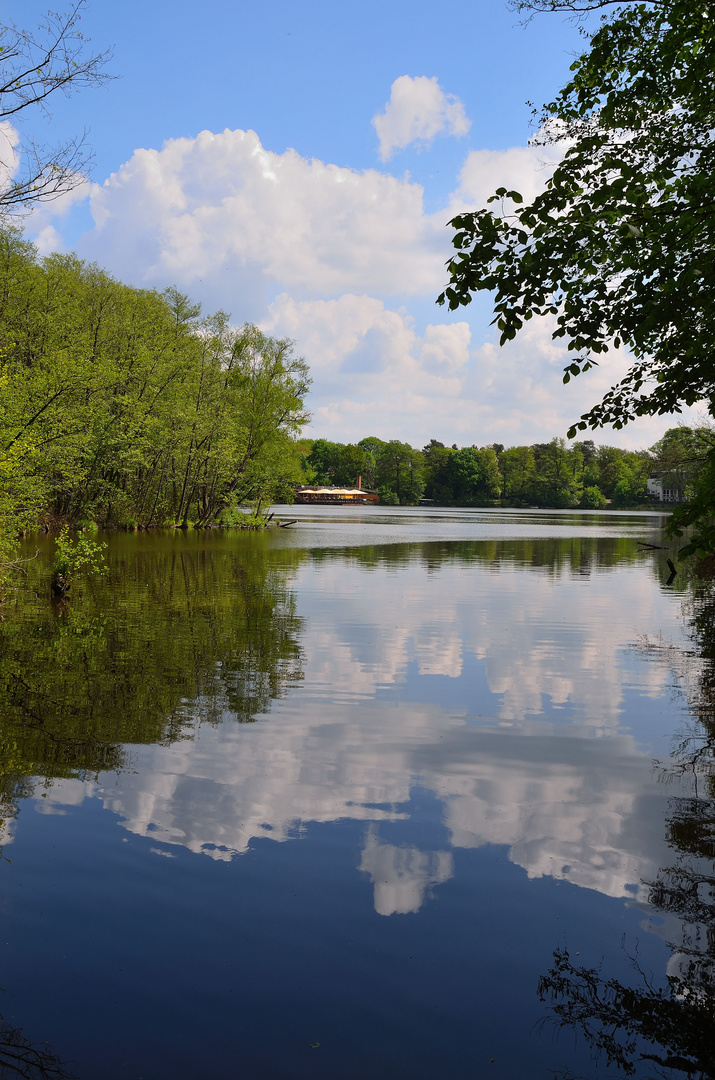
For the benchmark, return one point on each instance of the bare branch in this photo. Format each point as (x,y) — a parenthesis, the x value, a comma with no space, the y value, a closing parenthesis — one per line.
(33,66)
(579,7)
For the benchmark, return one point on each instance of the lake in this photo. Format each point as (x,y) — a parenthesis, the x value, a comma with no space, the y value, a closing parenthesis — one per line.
(362,797)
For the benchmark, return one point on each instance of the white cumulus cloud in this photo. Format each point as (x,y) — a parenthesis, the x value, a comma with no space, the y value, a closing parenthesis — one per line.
(347,264)
(373,373)
(224,210)
(525,169)
(417,111)
(9,153)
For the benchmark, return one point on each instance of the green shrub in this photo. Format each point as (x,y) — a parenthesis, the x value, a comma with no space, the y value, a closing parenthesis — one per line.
(74,555)
(593,499)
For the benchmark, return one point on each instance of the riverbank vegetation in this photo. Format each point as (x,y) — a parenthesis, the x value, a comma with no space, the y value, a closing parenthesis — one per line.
(552,474)
(126,407)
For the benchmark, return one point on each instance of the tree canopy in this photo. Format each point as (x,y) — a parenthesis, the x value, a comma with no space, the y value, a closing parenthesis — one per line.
(618,248)
(123,406)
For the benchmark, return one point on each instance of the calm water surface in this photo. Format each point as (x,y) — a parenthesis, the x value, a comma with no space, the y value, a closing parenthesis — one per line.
(323,802)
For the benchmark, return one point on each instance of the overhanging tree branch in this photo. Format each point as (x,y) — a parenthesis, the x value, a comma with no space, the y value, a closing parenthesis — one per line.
(34,65)
(618,247)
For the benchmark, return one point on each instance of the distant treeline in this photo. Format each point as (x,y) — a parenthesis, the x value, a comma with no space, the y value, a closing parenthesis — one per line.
(551,474)
(127,407)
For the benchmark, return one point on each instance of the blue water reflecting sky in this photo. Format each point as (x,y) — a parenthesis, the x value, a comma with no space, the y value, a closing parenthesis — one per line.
(382,863)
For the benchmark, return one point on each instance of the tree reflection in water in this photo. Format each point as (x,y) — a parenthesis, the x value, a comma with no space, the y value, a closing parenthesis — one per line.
(644,1029)
(179,632)
(672,1028)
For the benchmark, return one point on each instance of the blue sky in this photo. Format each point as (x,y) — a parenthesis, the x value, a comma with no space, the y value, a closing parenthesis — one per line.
(296,164)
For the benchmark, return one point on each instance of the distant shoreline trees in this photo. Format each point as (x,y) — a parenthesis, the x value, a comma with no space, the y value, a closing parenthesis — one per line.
(546,475)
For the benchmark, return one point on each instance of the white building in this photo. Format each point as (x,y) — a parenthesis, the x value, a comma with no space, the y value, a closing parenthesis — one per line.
(656,490)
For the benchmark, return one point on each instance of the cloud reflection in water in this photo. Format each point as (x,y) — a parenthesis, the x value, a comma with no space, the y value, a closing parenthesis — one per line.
(576,800)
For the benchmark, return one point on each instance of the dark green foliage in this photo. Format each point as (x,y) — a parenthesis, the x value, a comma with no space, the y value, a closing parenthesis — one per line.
(685,459)
(544,475)
(340,465)
(618,248)
(553,483)
(473,476)
(592,499)
(697,515)
(518,468)
(392,468)
(399,472)
(437,478)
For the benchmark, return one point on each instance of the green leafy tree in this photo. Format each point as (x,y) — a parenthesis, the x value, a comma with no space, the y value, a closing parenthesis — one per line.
(611,468)
(123,406)
(437,481)
(474,476)
(518,468)
(593,499)
(72,556)
(680,455)
(553,482)
(245,397)
(618,247)
(353,464)
(373,447)
(340,464)
(399,473)
(692,461)
(631,489)
(322,460)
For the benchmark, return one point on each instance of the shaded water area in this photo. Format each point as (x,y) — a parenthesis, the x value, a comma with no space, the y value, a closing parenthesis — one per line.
(393,793)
